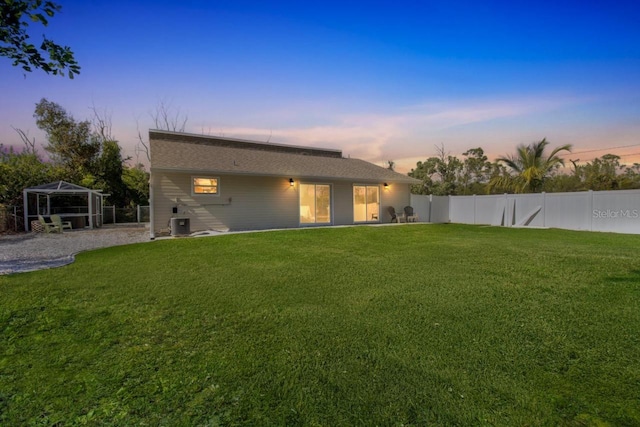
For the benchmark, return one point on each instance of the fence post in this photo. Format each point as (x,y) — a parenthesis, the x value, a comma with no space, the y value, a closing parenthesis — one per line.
(114,213)
(590,210)
(138,213)
(475,211)
(544,208)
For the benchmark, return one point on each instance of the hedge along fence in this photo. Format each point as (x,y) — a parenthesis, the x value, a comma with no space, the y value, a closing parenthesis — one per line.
(609,211)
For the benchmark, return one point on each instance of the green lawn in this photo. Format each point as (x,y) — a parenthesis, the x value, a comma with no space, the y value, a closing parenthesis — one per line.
(404,325)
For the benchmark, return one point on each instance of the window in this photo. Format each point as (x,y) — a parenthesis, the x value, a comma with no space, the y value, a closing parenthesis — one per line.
(205,185)
(366,203)
(315,204)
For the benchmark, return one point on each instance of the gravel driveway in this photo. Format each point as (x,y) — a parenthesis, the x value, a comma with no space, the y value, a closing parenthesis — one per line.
(37,251)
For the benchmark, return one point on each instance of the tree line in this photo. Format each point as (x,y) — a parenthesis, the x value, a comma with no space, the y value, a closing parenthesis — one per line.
(529,170)
(80,152)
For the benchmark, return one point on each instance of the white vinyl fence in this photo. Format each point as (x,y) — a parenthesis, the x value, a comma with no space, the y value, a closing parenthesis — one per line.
(612,211)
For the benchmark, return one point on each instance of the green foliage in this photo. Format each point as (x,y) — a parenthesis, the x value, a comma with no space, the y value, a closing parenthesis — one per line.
(528,171)
(440,175)
(476,170)
(463,326)
(110,167)
(15,43)
(530,167)
(602,173)
(90,157)
(19,170)
(447,175)
(71,144)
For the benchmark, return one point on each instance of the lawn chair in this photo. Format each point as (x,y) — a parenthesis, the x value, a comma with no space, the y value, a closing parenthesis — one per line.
(392,212)
(57,221)
(409,215)
(49,227)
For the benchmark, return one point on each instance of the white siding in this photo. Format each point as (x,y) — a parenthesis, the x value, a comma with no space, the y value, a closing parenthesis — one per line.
(398,196)
(342,203)
(244,202)
(253,203)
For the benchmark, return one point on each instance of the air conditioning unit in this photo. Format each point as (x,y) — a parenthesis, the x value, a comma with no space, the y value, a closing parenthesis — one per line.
(180,227)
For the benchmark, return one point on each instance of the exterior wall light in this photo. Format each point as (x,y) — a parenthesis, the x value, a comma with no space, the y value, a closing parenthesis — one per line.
(386,186)
(291,182)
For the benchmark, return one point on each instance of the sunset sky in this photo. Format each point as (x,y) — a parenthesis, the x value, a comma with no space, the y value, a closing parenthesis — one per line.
(378,80)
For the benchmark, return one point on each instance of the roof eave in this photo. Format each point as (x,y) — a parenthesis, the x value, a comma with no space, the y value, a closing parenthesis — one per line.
(407,180)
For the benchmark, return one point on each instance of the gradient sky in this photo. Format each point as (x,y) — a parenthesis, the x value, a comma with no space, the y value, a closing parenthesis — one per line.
(379,80)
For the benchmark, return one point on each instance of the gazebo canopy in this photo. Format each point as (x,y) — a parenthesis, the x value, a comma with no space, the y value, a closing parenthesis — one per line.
(92,213)
(62,187)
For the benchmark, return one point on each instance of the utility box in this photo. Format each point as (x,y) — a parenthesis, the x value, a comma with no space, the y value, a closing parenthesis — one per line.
(180,227)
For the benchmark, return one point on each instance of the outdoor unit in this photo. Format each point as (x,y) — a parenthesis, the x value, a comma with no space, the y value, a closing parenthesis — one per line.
(180,227)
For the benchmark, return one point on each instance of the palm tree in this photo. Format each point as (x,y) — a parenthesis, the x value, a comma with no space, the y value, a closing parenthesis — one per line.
(529,167)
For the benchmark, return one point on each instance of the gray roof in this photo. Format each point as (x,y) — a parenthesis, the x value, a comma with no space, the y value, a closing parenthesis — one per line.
(195,153)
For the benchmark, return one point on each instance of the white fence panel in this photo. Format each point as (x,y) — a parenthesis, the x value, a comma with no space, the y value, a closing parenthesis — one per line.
(462,209)
(571,211)
(440,209)
(529,209)
(488,208)
(616,211)
(421,206)
(612,211)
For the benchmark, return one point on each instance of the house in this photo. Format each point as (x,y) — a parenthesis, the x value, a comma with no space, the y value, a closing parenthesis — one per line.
(220,183)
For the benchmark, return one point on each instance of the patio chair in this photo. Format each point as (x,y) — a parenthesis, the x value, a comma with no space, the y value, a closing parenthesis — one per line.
(409,215)
(49,227)
(392,212)
(59,223)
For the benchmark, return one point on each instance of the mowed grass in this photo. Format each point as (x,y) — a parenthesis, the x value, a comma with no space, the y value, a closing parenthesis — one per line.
(404,325)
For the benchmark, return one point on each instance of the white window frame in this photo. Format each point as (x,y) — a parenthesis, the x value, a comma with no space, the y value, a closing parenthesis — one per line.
(193,191)
(331,207)
(353,201)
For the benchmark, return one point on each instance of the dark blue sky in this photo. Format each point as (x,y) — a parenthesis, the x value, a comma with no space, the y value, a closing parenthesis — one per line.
(380,80)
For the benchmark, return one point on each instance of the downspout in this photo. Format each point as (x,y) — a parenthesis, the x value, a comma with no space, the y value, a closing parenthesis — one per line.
(152,228)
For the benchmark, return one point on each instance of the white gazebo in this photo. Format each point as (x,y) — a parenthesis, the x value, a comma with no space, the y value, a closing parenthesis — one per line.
(89,215)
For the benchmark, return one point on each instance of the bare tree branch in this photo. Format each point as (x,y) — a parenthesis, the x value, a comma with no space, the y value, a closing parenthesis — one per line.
(29,144)
(142,146)
(101,123)
(166,117)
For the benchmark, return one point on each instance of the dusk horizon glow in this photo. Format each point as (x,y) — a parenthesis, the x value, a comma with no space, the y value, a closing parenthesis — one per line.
(378,81)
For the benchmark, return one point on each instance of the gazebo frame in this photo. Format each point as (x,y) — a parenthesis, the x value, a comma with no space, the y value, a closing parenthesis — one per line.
(94,202)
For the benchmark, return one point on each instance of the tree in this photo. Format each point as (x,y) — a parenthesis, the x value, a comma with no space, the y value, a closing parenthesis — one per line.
(15,17)
(440,175)
(529,167)
(136,180)
(602,173)
(19,170)
(72,144)
(475,171)
(109,171)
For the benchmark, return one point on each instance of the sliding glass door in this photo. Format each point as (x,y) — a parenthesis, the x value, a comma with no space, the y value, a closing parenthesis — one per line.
(366,203)
(315,204)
